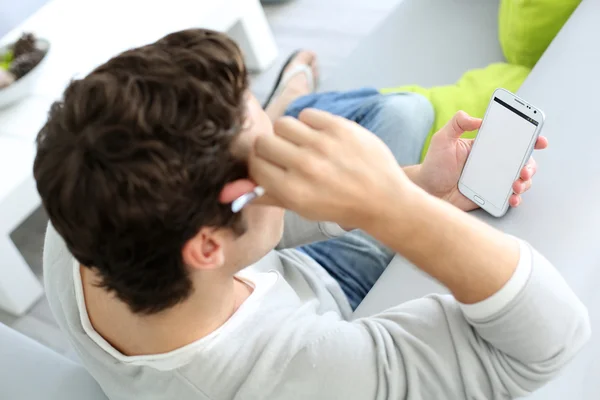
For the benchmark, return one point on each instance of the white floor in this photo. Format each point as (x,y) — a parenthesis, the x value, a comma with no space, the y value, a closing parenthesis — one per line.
(332,28)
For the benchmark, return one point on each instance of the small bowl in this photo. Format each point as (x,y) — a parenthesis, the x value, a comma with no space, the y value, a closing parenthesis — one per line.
(20,88)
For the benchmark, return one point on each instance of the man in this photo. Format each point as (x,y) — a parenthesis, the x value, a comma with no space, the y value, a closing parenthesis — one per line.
(168,294)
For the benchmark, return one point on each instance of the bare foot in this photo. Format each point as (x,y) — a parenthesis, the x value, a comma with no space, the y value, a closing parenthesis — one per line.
(296,87)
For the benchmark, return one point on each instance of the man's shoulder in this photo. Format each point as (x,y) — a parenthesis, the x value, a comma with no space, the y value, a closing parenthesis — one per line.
(58,265)
(57,258)
(274,336)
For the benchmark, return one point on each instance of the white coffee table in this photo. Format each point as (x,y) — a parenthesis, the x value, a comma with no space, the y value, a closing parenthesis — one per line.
(84,34)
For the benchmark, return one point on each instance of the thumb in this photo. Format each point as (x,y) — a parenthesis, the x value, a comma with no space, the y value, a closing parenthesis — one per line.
(461,123)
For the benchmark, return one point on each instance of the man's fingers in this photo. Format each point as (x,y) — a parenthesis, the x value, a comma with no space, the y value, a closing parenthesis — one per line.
(267,174)
(541,143)
(528,170)
(461,123)
(521,186)
(295,131)
(514,200)
(277,150)
(318,119)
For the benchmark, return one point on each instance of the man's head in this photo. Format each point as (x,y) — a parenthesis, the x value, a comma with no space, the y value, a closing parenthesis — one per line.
(135,163)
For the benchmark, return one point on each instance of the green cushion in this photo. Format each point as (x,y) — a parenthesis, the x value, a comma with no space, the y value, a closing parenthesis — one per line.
(471,93)
(527,27)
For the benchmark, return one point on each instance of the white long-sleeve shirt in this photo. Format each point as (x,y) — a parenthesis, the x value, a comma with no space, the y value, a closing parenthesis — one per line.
(293,337)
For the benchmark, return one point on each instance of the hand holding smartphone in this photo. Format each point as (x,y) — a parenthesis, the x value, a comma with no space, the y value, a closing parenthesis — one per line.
(503,145)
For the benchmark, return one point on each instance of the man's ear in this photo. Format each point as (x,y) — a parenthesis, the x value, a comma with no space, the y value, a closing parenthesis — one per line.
(235,189)
(205,250)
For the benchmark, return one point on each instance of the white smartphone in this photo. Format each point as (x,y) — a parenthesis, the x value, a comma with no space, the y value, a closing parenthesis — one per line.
(503,145)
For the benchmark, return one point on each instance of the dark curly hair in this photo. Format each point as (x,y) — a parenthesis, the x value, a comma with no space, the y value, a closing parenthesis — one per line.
(131,162)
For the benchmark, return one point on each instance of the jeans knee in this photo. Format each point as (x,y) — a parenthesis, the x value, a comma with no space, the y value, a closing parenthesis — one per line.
(403,122)
(410,111)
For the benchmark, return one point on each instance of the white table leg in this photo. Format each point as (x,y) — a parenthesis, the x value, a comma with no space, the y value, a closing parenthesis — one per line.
(253,34)
(19,287)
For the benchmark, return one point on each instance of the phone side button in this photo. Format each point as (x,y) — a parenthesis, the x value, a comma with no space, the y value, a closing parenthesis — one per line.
(479,200)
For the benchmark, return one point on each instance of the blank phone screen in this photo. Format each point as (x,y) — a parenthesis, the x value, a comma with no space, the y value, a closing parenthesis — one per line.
(502,143)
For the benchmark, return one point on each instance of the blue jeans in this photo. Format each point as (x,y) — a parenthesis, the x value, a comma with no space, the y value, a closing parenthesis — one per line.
(402,121)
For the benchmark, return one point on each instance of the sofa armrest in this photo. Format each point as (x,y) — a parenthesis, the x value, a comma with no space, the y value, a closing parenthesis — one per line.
(29,370)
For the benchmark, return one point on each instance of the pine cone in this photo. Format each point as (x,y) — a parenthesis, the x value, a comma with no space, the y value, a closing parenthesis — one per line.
(23,64)
(25,45)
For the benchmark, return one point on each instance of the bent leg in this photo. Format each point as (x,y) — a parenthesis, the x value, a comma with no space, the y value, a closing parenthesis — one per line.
(354,260)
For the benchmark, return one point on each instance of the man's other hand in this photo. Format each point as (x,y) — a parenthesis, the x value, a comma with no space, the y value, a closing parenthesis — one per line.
(447,155)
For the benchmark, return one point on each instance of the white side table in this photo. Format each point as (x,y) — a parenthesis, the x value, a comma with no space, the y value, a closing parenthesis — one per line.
(83,35)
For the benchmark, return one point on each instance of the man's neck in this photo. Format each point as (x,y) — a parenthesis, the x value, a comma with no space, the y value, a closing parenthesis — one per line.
(212,303)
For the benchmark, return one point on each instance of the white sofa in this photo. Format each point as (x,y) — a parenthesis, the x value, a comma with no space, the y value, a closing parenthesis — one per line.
(432,42)
(30,371)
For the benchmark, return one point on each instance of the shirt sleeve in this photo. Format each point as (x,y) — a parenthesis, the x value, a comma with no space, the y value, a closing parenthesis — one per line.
(298,231)
(434,348)
(492,305)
